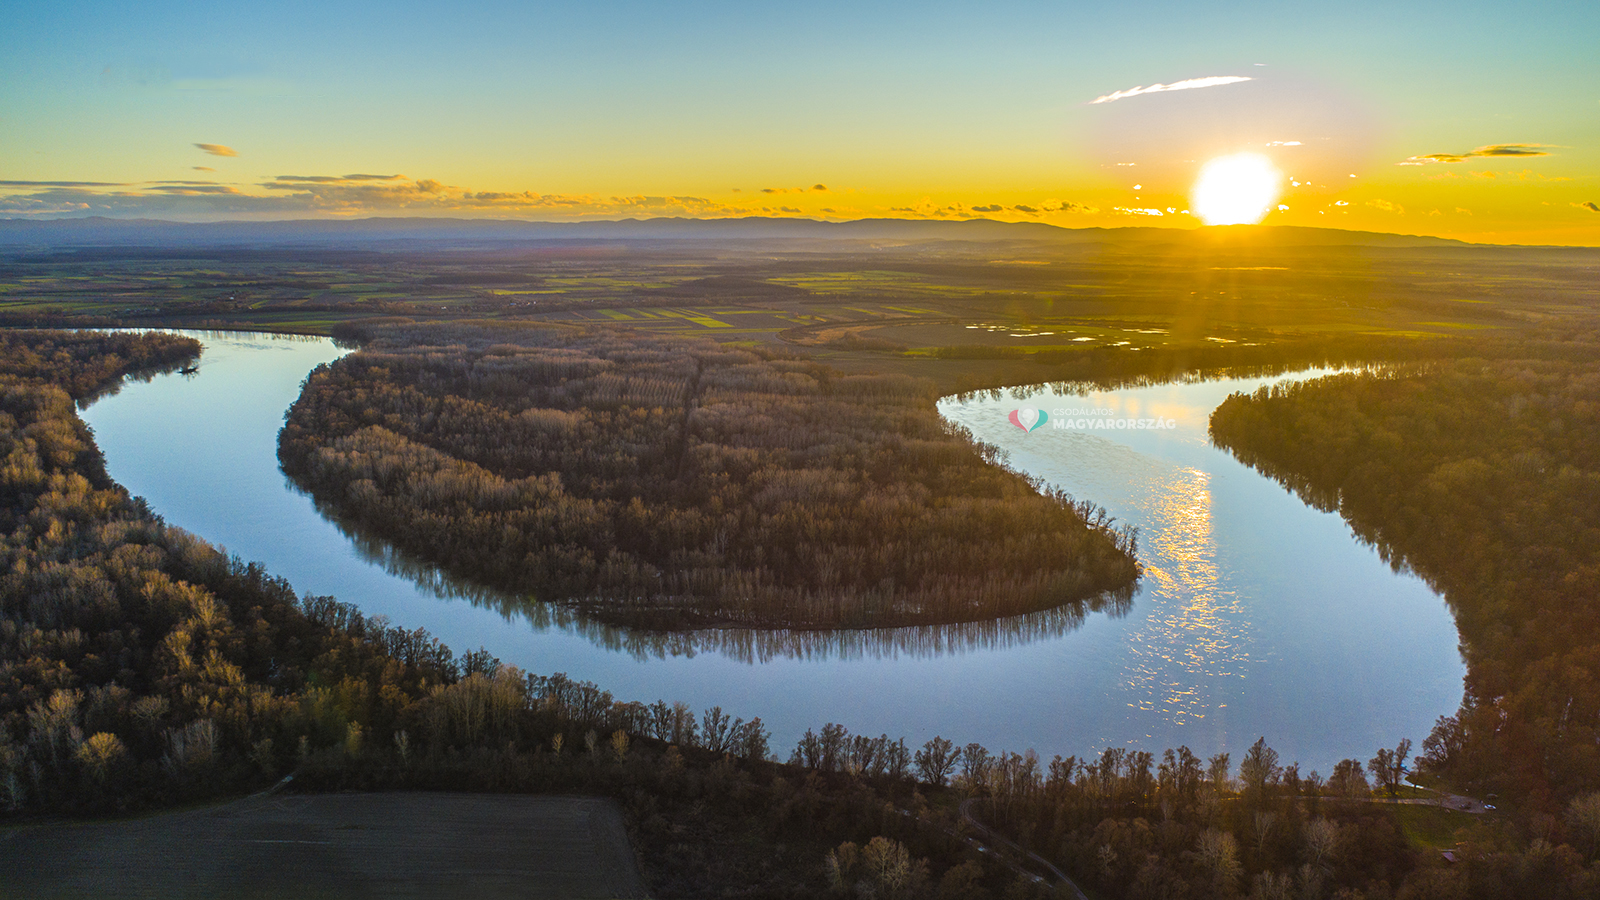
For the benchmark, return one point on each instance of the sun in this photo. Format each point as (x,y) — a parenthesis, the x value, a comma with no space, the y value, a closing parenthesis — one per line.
(1236,190)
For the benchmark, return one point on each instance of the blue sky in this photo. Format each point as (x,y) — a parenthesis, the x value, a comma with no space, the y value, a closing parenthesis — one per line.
(900,109)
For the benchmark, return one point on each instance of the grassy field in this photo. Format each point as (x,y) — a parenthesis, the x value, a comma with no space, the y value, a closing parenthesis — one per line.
(414,845)
(964,314)
(1432,827)
(1010,293)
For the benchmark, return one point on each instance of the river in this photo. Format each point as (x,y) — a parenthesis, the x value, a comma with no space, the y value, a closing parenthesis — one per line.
(1257,614)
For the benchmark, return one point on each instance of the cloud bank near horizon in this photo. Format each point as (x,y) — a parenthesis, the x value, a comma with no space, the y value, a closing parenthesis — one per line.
(297,195)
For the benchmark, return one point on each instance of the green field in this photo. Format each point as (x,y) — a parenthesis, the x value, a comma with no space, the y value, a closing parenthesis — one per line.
(961,313)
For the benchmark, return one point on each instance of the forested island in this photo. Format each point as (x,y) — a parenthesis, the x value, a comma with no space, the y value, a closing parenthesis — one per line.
(1483,475)
(668,482)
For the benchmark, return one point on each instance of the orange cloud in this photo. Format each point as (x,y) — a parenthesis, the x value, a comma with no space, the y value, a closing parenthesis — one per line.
(928,209)
(1515,151)
(218,149)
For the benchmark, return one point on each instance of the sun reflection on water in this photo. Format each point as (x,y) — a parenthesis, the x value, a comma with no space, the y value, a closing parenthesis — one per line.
(1195,633)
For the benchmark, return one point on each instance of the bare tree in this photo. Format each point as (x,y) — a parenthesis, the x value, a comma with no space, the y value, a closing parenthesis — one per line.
(936,760)
(751,739)
(1348,781)
(974,765)
(716,730)
(1217,774)
(1259,770)
(1389,766)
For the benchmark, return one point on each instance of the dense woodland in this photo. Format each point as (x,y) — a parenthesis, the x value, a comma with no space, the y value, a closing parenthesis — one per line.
(1483,475)
(669,482)
(140,667)
(86,363)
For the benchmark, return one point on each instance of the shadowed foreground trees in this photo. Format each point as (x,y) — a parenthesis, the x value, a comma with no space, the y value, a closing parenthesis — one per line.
(670,482)
(1123,825)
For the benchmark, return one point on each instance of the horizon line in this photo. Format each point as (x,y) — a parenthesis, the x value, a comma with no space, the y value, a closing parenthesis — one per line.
(804,220)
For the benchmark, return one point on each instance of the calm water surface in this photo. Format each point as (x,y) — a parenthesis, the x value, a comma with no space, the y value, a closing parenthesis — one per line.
(1257,614)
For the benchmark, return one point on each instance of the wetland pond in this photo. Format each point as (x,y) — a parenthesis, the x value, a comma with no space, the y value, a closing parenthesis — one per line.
(1257,614)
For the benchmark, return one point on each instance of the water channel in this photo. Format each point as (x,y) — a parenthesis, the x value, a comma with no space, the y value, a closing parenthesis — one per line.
(1257,614)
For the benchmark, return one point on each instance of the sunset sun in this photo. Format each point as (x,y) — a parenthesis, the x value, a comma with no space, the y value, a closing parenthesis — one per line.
(1236,190)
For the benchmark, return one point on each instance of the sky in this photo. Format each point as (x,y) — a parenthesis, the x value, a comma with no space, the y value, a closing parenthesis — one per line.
(1464,119)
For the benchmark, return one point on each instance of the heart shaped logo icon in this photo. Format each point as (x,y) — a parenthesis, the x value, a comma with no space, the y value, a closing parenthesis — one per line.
(1028,418)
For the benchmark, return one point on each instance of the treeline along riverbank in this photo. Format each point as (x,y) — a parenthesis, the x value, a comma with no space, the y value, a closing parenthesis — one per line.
(1483,475)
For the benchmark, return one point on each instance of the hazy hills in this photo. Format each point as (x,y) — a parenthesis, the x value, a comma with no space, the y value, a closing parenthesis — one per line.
(104,232)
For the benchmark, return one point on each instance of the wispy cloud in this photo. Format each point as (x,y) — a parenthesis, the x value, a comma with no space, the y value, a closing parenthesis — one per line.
(1514,151)
(202,168)
(218,149)
(814,189)
(1067,207)
(63,184)
(332,179)
(360,193)
(1590,206)
(929,210)
(321,195)
(1188,84)
(186,189)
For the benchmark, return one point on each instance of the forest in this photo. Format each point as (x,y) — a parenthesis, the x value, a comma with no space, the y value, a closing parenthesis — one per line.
(141,668)
(1482,474)
(671,482)
(138,665)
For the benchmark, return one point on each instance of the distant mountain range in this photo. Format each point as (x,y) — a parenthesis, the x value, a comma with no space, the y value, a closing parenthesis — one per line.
(104,232)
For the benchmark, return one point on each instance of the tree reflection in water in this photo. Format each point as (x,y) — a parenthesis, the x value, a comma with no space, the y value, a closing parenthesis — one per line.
(748,645)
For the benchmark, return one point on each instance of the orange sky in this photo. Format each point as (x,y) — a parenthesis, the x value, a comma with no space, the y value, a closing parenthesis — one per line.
(1431,119)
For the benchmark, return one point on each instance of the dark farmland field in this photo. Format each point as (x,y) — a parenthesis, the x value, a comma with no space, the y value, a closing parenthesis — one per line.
(418,845)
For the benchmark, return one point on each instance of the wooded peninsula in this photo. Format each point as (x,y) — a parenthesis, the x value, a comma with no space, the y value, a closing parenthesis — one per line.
(666,483)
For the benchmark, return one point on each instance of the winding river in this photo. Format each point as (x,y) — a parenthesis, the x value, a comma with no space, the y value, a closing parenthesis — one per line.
(1257,615)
